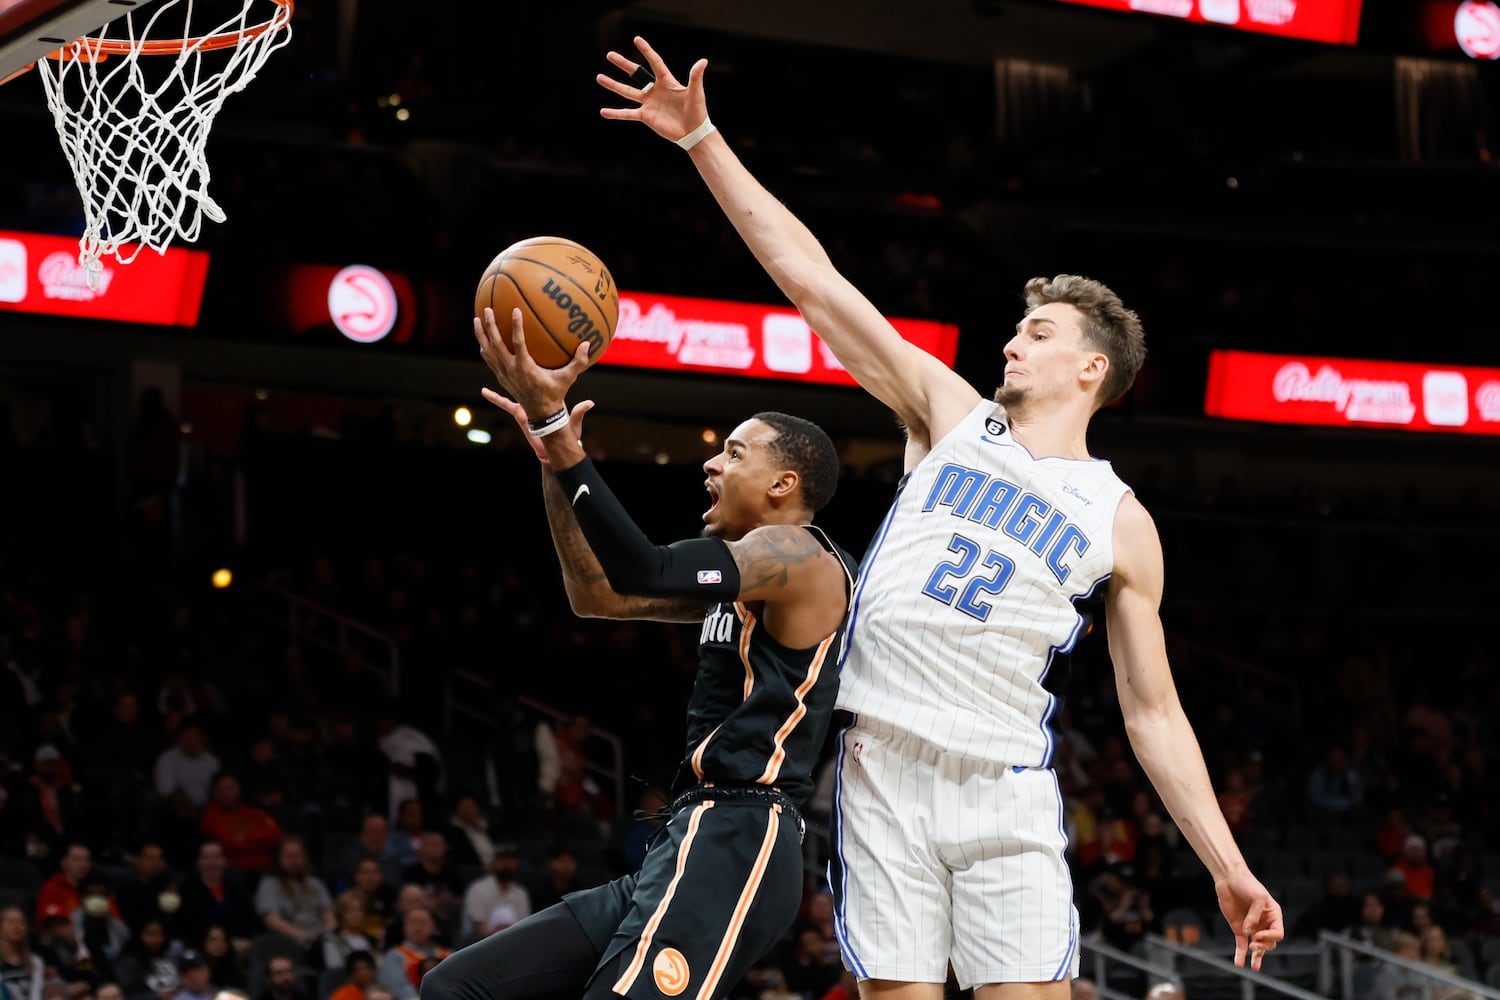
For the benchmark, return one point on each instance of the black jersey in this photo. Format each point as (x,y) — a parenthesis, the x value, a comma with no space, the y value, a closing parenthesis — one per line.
(760,711)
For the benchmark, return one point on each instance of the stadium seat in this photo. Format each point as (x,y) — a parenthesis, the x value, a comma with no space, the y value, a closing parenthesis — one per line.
(330,980)
(20,875)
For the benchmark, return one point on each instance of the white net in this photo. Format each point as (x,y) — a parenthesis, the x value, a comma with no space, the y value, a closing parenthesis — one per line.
(135,131)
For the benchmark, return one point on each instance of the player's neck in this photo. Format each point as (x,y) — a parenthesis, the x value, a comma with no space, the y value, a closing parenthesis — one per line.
(1059,432)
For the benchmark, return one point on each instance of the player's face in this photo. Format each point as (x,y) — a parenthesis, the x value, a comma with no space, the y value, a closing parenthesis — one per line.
(1047,358)
(738,478)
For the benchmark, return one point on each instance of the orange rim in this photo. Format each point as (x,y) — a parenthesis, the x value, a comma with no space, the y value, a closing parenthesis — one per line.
(99,48)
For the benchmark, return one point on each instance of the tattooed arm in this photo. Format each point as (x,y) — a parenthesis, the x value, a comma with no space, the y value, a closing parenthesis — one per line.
(589,591)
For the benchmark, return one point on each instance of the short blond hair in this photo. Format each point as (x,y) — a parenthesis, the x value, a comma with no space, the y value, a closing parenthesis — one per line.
(1107,324)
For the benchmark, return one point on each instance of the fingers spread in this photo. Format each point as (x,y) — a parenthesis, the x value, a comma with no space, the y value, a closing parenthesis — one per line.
(623,63)
(654,61)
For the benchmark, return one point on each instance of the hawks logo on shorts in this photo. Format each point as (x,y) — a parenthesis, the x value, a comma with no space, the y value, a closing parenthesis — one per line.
(671,972)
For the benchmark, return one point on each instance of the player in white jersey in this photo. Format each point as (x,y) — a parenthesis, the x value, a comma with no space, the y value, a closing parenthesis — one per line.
(948,817)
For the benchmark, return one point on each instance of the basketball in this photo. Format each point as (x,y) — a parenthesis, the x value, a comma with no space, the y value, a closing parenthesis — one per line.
(565,294)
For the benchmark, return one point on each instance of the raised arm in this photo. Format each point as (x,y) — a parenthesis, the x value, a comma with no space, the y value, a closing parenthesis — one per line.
(589,592)
(925,394)
(1163,739)
(777,564)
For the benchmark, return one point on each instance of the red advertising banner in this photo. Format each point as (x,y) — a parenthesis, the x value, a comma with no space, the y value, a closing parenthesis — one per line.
(1315,20)
(673,333)
(41,274)
(1341,392)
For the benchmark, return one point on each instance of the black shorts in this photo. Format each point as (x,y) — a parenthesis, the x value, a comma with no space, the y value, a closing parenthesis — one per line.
(720,886)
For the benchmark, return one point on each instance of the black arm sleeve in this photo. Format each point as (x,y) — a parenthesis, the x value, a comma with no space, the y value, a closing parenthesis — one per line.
(701,568)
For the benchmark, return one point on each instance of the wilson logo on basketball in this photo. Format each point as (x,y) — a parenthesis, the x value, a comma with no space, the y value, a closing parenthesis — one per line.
(579,324)
(670,970)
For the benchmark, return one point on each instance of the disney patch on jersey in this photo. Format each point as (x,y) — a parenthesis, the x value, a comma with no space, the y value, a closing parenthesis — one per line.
(707,576)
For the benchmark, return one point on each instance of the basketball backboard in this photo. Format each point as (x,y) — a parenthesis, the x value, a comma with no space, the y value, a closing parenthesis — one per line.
(29,29)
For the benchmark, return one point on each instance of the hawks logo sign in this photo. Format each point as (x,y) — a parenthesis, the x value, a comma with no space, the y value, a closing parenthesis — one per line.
(670,970)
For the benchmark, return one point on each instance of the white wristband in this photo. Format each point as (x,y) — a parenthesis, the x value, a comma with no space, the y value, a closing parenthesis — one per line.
(696,135)
(551,425)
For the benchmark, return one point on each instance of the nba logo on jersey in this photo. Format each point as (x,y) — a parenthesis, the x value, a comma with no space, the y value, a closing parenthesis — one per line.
(706,576)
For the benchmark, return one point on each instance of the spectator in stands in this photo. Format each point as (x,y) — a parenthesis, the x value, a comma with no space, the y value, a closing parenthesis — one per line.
(101,933)
(414,763)
(282,980)
(1333,788)
(578,794)
(216,895)
(1396,983)
(1436,950)
(497,900)
(62,893)
(468,835)
(1371,927)
(109,991)
(434,874)
(633,834)
(149,958)
(1235,801)
(401,969)
(1392,833)
(60,947)
(372,843)
(520,765)
(139,896)
(360,968)
(559,879)
(348,936)
(1335,911)
(53,805)
(21,969)
(408,898)
(291,900)
(247,833)
(401,846)
(188,766)
(807,970)
(194,976)
(377,898)
(225,967)
(1414,867)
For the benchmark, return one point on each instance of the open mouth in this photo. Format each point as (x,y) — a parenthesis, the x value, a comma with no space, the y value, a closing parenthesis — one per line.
(713,499)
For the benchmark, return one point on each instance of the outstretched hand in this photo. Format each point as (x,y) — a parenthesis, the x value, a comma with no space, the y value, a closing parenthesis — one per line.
(541,391)
(1253,915)
(668,107)
(518,413)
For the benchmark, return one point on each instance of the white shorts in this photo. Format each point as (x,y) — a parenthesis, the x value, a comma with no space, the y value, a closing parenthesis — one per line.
(938,859)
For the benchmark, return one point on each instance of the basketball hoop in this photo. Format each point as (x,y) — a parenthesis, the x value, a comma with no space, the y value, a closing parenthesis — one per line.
(136,142)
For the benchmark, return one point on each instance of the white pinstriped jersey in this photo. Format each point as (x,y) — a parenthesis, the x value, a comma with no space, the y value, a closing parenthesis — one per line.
(966,596)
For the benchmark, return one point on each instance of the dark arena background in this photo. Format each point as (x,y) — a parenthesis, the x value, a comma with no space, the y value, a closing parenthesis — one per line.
(277,593)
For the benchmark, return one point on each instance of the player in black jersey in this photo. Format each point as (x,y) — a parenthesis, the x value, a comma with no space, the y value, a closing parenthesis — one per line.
(722,882)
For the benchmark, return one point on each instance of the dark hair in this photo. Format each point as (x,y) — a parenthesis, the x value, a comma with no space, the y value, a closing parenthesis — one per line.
(808,451)
(356,958)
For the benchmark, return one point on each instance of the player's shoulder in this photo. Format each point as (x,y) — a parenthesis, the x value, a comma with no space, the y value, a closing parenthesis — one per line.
(1137,544)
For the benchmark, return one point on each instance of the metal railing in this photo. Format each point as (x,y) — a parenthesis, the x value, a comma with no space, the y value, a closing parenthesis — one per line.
(1249,980)
(312,624)
(1099,955)
(463,703)
(1445,985)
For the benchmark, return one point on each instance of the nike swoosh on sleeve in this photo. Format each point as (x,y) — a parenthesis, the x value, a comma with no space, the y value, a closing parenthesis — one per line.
(583,489)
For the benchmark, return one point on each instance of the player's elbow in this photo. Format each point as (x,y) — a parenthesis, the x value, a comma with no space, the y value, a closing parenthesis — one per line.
(804,280)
